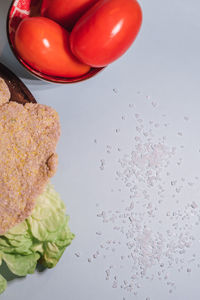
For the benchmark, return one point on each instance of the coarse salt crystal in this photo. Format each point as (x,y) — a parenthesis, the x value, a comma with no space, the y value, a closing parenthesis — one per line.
(140,172)
(98,233)
(115,90)
(194,205)
(114,284)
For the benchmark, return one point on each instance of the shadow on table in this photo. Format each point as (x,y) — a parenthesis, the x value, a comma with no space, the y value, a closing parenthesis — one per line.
(9,276)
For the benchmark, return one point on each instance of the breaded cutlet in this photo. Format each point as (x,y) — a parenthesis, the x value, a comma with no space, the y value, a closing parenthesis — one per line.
(4,92)
(28,137)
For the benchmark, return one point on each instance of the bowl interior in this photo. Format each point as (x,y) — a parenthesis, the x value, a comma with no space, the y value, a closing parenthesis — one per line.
(21,9)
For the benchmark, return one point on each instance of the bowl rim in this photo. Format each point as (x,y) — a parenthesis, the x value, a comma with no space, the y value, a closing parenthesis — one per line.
(32,71)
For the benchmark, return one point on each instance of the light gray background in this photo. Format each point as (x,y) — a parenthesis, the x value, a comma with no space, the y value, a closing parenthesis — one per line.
(164,64)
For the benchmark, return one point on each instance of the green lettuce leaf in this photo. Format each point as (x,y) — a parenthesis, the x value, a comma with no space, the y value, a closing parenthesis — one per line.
(46,223)
(3,284)
(21,265)
(42,237)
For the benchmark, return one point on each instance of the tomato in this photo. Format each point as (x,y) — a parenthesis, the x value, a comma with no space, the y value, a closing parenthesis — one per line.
(65,12)
(44,45)
(106,31)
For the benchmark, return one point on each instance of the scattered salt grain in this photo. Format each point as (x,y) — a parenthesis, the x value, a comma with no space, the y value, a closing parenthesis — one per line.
(102,164)
(173,182)
(137,116)
(139,120)
(194,205)
(139,247)
(154,104)
(98,233)
(115,90)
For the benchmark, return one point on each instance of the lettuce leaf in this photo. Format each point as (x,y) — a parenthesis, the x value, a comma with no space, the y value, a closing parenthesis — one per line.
(42,237)
(21,265)
(3,284)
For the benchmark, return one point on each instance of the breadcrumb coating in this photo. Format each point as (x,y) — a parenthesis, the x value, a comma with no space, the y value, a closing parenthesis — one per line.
(28,137)
(4,92)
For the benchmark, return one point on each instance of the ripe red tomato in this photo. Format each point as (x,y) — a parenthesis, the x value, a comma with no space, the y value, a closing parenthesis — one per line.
(44,45)
(65,12)
(106,31)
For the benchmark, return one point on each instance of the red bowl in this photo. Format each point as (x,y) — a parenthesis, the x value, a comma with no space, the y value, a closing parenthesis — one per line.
(19,10)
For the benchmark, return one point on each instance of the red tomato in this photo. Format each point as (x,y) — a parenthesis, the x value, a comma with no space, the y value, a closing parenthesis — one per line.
(65,12)
(44,45)
(106,31)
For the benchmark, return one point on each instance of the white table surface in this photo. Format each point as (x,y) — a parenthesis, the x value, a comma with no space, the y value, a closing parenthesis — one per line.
(162,67)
